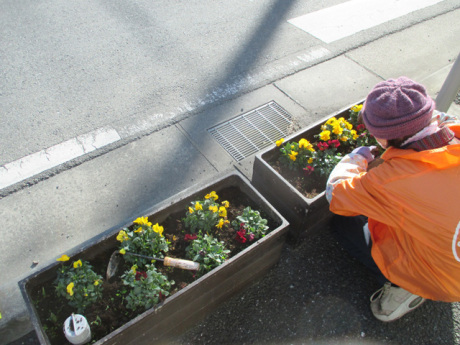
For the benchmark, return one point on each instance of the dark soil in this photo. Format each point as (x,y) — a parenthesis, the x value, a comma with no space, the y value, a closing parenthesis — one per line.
(309,185)
(110,312)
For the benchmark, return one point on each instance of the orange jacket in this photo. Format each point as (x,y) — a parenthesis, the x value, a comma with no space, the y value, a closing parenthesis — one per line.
(412,201)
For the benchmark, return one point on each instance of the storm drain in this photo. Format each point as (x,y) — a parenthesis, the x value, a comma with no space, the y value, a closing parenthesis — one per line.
(252,131)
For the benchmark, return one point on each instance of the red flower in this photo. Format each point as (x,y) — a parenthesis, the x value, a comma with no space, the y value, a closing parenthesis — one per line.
(335,143)
(251,237)
(309,169)
(140,274)
(322,146)
(191,237)
(360,127)
(241,236)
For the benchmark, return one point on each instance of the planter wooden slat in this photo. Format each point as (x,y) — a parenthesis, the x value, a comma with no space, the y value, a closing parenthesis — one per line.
(189,305)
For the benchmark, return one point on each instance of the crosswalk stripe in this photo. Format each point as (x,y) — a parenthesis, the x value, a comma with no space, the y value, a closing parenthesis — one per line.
(343,20)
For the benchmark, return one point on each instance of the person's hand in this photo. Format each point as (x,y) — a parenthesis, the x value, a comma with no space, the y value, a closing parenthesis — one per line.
(366,152)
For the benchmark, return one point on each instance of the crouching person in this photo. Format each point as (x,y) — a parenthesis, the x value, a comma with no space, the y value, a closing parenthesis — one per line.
(402,217)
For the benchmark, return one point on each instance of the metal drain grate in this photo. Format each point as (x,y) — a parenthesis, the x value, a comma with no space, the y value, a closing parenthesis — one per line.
(252,131)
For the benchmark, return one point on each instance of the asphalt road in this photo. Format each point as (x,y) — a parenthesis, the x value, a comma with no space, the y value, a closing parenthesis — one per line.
(68,68)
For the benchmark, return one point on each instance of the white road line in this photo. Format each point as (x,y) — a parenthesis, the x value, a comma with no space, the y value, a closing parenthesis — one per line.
(38,162)
(336,22)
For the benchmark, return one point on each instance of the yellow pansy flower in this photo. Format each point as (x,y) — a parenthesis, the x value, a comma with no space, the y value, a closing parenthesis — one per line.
(337,129)
(159,229)
(354,134)
(122,251)
(77,264)
(357,108)
(139,229)
(279,142)
(325,135)
(63,258)
(143,221)
(304,143)
(122,236)
(348,125)
(134,268)
(213,208)
(190,210)
(70,288)
(344,138)
(212,195)
(222,211)
(220,224)
(310,160)
(96,283)
(225,203)
(198,206)
(331,121)
(293,155)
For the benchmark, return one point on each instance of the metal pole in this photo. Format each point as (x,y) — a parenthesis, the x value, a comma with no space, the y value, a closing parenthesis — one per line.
(450,88)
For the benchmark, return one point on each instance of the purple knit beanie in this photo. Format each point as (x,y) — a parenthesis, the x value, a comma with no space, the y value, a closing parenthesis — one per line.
(397,108)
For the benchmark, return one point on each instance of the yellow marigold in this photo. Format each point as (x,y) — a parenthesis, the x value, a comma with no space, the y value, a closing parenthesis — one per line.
(122,236)
(122,251)
(213,208)
(337,129)
(212,195)
(225,203)
(77,264)
(198,206)
(70,288)
(222,211)
(158,229)
(354,134)
(279,142)
(304,143)
(63,258)
(325,135)
(293,155)
(143,221)
(139,229)
(357,108)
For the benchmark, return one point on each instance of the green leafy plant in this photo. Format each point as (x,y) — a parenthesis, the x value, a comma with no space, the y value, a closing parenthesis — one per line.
(322,156)
(78,283)
(148,287)
(208,251)
(206,215)
(145,238)
(251,225)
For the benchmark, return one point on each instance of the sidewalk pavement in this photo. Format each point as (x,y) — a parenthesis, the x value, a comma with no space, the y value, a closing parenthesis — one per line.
(316,294)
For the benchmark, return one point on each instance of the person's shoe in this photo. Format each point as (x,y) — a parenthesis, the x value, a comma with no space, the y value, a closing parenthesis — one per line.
(391,303)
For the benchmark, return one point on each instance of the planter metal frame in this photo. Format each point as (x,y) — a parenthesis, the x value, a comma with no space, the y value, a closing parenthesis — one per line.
(192,303)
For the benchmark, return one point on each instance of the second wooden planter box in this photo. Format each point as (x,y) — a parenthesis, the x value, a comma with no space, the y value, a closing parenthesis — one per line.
(192,303)
(304,214)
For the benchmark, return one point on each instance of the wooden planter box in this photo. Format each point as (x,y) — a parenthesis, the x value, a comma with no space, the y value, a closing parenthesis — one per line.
(304,215)
(192,303)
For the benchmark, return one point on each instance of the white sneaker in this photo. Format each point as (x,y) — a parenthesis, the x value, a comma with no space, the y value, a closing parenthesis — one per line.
(391,303)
